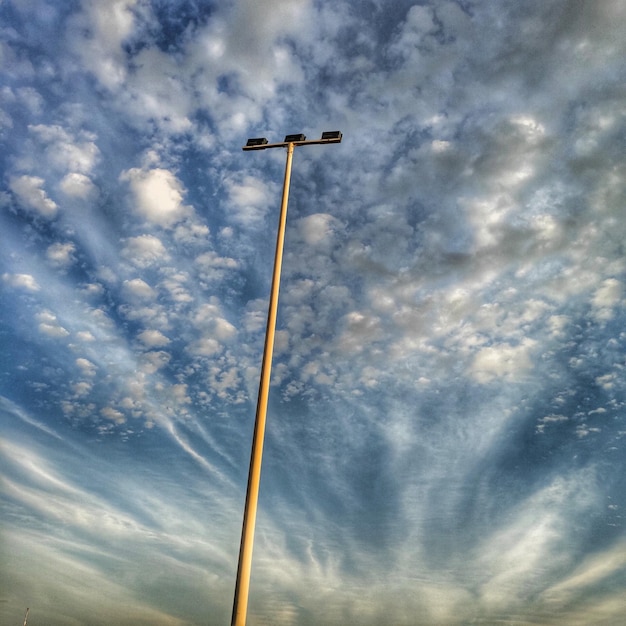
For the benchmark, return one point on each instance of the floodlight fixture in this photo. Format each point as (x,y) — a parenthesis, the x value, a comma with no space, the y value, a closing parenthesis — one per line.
(331,134)
(299,139)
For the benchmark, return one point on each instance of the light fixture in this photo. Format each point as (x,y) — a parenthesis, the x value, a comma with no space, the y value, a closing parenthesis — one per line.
(299,139)
(331,135)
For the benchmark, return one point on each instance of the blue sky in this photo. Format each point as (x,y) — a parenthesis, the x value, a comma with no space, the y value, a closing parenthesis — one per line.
(445,438)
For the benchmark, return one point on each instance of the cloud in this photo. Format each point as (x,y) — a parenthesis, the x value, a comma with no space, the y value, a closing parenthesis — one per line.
(144,250)
(175,285)
(96,35)
(215,331)
(212,267)
(361,330)
(86,366)
(205,346)
(138,289)
(158,91)
(113,414)
(511,556)
(66,153)
(61,255)
(191,234)
(32,197)
(21,281)
(77,185)
(154,360)
(153,338)
(48,325)
(547,420)
(249,198)
(507,361)
(85,335)
(318,228)
(606,298)
(592,571)
(82,388)
(158,196)
(208,317)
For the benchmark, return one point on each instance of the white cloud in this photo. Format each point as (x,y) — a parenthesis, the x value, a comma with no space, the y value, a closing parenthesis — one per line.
(153,338)
(151,315)
(49,325)
(360,331)
(61,254)
(223,329)
(144,250)
(256,316)
(158,196)
(511,556)
(67,153)
(175,286)
(53,330)
(96,35)
(77,185)
(21,281)
(250,198)
(246,42)
(212,267)
(549,419)
(205,346)
(317,228)
(225,383)
(86,336)
(191,234)
(557,325)
(503,360)
(160,90)
(607,381)
(215,329)
(593,570)
(583,430)
(113,414)
(439,146)
(86,366)
(92,289)
(29,192)
(179,392)
(138,289)
(31,98)
(82,388)
(154,360)
(606,298)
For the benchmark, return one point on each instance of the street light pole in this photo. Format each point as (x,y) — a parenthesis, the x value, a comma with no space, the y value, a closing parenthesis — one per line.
(242,587)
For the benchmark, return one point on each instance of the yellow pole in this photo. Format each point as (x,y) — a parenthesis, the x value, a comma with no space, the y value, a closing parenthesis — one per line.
(242,587)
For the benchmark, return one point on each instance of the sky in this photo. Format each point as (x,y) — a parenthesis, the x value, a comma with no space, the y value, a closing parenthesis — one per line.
(446,423)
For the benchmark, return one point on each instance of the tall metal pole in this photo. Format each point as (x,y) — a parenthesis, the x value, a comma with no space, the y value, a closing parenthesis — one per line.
(242,587)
